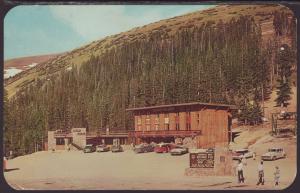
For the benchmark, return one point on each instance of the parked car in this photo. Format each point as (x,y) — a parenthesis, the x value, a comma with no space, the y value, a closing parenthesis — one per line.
(117,148)
(89,148)
(179,150)
(238,154)
(143,147)
(102,148)
(210,150)
(163,147)
(273,154)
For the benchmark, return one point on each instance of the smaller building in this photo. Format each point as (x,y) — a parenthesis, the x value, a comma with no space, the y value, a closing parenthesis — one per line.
(79,137)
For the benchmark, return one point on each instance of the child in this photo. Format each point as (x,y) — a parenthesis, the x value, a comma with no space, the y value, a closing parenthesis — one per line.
(276,175)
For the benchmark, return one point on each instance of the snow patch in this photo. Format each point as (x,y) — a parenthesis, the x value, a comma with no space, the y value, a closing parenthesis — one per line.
(31,65)
(10,72)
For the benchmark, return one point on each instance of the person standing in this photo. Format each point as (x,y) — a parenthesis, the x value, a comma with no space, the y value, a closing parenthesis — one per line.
(260,174)
(276,175)
(254,156)
(244,160)
(240,172)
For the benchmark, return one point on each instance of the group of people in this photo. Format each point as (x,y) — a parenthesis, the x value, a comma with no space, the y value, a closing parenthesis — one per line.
(260,169)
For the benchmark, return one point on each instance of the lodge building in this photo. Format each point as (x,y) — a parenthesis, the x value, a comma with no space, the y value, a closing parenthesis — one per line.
(201,125)
(196,125)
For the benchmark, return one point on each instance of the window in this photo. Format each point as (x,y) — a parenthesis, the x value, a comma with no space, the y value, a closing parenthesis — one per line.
(177,126)
(157,119)
(139,120)
(148,119)
(166,118)
(188,120)
(148,127)
(60,141)
(167,126)
(188,126)
(156,127)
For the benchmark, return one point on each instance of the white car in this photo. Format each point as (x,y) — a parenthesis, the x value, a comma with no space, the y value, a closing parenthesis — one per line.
(273,154)
(179,150)
(240,153)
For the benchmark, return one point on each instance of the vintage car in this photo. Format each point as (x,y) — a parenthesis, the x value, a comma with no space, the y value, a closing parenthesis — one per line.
(179,150)
(102,148)
(240,153)
(143,147)
(273,154)
(163,147)
(89,148)
(117,148)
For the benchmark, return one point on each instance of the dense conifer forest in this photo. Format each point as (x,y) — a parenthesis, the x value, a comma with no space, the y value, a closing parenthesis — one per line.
(216,62)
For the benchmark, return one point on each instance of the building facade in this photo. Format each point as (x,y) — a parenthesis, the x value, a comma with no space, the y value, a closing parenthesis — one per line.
(199,125)
(78,138)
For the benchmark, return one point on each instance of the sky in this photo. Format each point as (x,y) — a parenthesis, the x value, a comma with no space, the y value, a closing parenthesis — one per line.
(46,29)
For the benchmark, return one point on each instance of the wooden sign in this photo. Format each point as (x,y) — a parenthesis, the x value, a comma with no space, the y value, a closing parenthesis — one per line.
(202,160)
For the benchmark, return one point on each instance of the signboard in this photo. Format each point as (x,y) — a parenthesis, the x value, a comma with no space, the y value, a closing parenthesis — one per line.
(202,160)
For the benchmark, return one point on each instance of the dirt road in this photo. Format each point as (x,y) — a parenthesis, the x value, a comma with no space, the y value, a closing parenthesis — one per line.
(127,170)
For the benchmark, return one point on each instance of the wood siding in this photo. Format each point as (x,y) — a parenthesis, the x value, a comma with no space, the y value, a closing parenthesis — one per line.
(212,121)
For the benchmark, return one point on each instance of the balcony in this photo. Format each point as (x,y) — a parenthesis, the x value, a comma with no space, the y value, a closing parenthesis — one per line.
(164,133)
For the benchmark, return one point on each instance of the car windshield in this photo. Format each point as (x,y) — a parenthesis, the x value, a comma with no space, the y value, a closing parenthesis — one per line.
(274,150)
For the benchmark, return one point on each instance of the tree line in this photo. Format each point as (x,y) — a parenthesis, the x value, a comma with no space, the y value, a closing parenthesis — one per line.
(216,62)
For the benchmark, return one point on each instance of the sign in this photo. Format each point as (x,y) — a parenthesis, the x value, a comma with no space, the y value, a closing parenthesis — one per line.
(202,160)
(75,130)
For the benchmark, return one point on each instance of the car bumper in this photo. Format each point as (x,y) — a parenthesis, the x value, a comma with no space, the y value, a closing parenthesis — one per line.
(177,153)
(266,158)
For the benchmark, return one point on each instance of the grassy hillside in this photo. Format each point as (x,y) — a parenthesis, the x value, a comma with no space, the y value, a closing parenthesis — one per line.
(263,14)
(228,54)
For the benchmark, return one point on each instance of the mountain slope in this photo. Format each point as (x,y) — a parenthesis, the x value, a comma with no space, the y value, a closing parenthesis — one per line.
(261,13)
(223,55)
(24,63)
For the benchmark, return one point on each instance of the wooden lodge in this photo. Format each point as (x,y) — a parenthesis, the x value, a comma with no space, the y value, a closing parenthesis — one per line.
(200,125)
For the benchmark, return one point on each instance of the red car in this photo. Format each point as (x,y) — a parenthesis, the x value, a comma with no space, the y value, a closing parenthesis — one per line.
(163,147)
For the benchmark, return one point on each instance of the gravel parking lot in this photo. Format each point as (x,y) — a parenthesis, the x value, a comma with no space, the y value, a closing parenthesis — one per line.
(127,170)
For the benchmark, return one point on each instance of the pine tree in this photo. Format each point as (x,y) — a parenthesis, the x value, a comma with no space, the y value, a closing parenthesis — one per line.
(283,93)
(283,88)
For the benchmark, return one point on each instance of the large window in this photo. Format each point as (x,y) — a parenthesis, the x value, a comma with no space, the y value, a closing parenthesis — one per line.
(177,128)
(148,119)
(139,120)
(156,121)
(167,124)
(188,120)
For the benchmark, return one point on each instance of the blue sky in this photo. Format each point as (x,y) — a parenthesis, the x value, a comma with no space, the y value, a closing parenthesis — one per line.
(44,29)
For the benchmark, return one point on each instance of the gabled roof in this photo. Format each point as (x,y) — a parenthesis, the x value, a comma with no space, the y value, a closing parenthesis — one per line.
(182,104)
